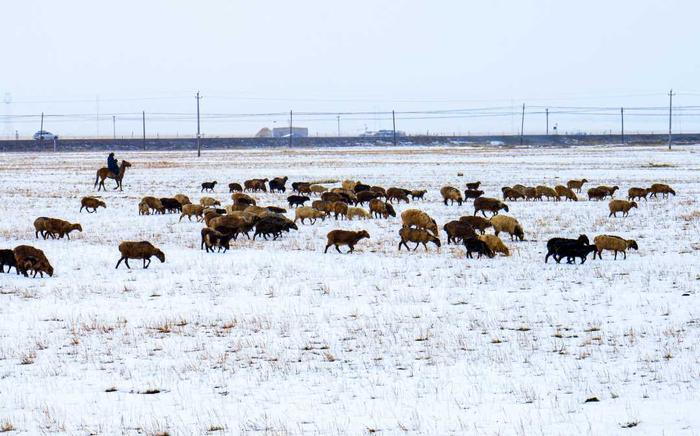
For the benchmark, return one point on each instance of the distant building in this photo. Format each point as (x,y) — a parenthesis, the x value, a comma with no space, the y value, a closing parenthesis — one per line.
(264,133)
(283,132)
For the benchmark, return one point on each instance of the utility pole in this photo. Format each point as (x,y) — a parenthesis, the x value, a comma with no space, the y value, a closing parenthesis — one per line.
(546,114)
(670,116)
(143,118)
(393,122)
(114,127)
(522,125)
(622,125)
(291,131)
(338,117)
(41,129)
(199,144)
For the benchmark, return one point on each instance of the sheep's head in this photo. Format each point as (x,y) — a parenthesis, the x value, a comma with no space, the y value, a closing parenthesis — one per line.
(363,234)
(584,181)
(160,255)
(634,204)
(390,210)
(436,241)
(101,203)
(614,188)
(291,225)
(583,239)
(77,227)
(519,233)
(505,207)
(632,244)
(672,191)
(488,251)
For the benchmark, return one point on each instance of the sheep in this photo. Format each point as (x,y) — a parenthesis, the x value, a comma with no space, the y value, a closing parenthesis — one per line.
(554,244)
(361,187)
(323,206)
(139,250)
(609,189)
(397,194)
(576,184)
(333,197)
(171,205)
(143,209)
(182,199)
(473,185)
(596,194)
(366,197)
(153,204)
(305,212)
(381,192)
(275,209)
(472,193)
(419,219)
(7,257)
(379,208)
(613,243)
(340,209)
(301,187)
(452,194)
(231,208)
(531,194)
(209,215)
(297,200)
(347,196)
(546,191)
(520,188)
(344,237)
(233,224)
(54,227)
(508,224)
(209,202)
(234,187)
(511,194)
(418,236)
(477,223)
(318,189)
(91,203)
(349,185)
(214,239)
(661,188)
(623,206)
(458,231)
(573,249)
(29,258)
(273,225)
(278,184)
(565,192)
(476,245)
(189,210)
(416,194)
(638,193)
(495,244)
(258,211)
(255,185)
(241,198)
(208,186)
(493,205)
(357,212)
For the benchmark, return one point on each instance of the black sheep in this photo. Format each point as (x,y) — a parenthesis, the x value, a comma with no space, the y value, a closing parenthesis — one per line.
(572,250)
(554,243)
(277,184)
(7,257)
(235,187)
(361,187)
(171,205)
(472,193)
(208,186)
(273,225)
(297,200)
(476,245)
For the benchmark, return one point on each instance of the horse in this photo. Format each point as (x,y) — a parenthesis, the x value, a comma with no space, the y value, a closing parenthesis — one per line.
(105,173)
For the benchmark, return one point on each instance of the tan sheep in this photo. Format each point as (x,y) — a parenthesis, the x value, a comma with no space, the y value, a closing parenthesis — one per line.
(28,258)
(91,203)
(419,236)
(340,208)
(613,243)
(358,212)
(623,206)
(305,212)
(154,204)
(546,191)
(349,185)
(54,227)
(241,198)
(495,244)
(209,202)
(190,210)
(318,189)
(565,192)
(182,199)
(576,184)
(508,224)
(139,250)
(419,219)
(379,208)
(452,194)
(231,208)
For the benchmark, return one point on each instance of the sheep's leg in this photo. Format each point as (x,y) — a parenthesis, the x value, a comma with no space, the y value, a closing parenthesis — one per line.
(624,252)
(327,246)
(146,265)
(120,261)
(126,262)
(338,249)
(426,246)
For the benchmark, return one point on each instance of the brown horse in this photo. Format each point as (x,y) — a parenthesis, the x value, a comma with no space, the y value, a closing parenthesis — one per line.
(105,173)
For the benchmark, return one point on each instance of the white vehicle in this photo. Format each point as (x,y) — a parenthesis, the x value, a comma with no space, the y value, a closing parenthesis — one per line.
(44,135)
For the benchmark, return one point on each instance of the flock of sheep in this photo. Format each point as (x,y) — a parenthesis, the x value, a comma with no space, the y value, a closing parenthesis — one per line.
(244,215)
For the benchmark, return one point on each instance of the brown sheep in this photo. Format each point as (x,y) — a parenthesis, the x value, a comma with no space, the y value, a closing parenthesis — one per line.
(492,205)
(255,185)
(613,243)
(340,209)
(153,204)
(473,185)
(189,210)
(495,244)
(418,194)
(458,231)
(358,212)
(230,208)
(397,194)
(477,223)
(638,193)
(519,188)
(419,219)
(235,187)
(305,212)
(452,194)
(214,239)
(209,215)
(182,199)
(508,224)
(661,188)
(345,237)
(332,197)
(623,206)
(418,236)
(381,192)
(28,258)
(209,202)
(323,206)
(380,208)
(610,190)
(597,193)
(241,198)
(576,184)
(532,194)
(54,227)
(546,191)
(144,209)
(139,250)
(565,192)
(366,197)
(91,203)
(512,194)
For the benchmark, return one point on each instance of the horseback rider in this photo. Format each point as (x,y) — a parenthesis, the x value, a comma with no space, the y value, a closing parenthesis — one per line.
(112,164)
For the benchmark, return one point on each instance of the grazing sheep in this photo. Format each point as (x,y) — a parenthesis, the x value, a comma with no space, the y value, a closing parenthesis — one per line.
(182,199)
(638,193)
(231,208)
(380,208)
(349,185)
(608,190)
(532,194)
(623,206)
(208,186)
(458,231)
(554,244)
(520,188)
(153,204)
(508,224)
(495,244)
(303,188)
(381,192)
(7,257)
(573,249)
(209,202)
(143,209)
(452,194)
(323,206)
(189,210)
(305,212)
(275,209)
(366,196)
(472,193)
(361,187)
(214,239)
(340,209)
(473,185)
(139,250)
(416,194)
(255,185)
(477,223)
(613,243)
(28,258)
(596,194)
(91,203)
(661,188)
(397,194)
(357,212)
(565,192)
(576,184)
(233,224)
(344,237)
(333,197)
(241,198)
(209,216)
(318,189)
(278,184)
(54,227)
(476,245)
(511,194)
(235,187)
(419,219)
(171,205)
(492,205)
(418,236)
(297,200)
(273,225)
(546,191)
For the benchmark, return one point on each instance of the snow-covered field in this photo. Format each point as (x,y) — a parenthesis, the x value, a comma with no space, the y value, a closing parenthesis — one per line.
(278,338)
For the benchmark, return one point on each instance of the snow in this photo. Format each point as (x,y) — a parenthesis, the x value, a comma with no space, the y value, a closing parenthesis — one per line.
(274,337)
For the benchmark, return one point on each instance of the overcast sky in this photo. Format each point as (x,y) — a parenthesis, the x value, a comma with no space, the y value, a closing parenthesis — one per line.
(260,56)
